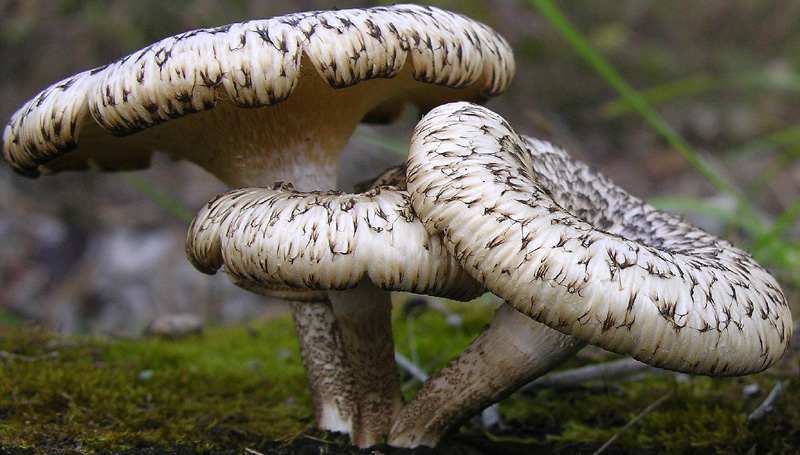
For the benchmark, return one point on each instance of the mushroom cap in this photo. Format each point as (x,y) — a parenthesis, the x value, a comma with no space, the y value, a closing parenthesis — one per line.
(401,53)
(616,272)
(282,238)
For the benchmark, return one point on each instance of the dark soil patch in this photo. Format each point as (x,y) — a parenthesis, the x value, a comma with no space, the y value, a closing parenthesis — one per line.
(316,443)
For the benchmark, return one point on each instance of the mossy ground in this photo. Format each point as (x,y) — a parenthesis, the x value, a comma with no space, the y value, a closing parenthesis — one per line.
(212,391)
(229,389)
(232,388)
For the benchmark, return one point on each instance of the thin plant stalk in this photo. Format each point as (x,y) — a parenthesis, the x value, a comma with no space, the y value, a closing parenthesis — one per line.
(633,98)
(166,202)
(574,38)
(700,84)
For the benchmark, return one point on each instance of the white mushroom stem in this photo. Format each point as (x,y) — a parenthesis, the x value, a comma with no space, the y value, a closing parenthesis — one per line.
(334,393)
(346,244)
(510,352)
(364,313)
(657,288)
(328,371)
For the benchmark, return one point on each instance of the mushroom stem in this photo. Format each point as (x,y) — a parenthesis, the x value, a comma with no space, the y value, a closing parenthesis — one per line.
(328,371)
(510,352)
(364,317)
(350,246)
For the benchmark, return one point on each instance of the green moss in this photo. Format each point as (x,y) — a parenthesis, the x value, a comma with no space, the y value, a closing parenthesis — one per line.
(231,388)
(226,387)
(701,415)
(241,384)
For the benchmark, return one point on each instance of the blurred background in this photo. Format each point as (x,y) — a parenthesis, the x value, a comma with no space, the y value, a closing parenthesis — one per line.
(93,253)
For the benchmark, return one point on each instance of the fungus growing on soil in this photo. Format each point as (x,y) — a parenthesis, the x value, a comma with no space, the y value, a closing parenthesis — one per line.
(367,243)
(264,101)
(566,247)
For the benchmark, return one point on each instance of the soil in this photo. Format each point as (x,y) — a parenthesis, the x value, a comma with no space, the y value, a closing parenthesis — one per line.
(517,441)
(475,443)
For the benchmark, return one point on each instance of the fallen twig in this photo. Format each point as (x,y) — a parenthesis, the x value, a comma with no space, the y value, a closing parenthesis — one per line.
(24,358)
(490,417)
(410,367)
(766,406)
(632,422)
(607,370)
(314,438)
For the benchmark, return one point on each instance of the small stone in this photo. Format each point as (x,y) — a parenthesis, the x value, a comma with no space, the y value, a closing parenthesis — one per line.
(145,375)
(455,320)
(751,389)
(175,326)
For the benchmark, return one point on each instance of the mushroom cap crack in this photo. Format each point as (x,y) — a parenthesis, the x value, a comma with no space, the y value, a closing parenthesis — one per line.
(324,241)
(612,271)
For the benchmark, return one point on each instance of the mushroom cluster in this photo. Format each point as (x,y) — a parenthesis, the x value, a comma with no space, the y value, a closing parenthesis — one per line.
(267,107)
(577,259)
(273,100)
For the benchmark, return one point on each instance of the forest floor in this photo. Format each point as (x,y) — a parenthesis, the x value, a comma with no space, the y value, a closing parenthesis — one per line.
(88,260)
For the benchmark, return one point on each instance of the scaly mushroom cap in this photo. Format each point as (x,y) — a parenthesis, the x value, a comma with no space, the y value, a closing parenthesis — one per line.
(636,281)
(368,63)
(324,241)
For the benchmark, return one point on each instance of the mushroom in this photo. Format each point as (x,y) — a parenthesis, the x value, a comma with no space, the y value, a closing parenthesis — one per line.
(639,281)
(270,100)
(566,247)
(318,73)
(365,243)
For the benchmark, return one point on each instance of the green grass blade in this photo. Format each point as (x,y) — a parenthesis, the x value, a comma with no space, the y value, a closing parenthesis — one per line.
(659,94)
(169,204)
(768,173)
(630,96)
(789,136)
(786,220)
(388,144)
(687,205)
(698,85)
